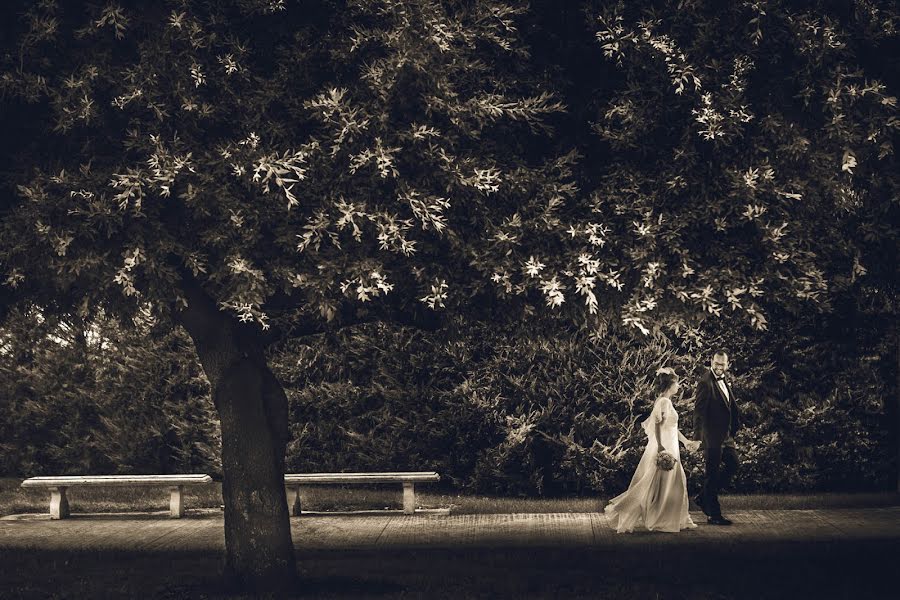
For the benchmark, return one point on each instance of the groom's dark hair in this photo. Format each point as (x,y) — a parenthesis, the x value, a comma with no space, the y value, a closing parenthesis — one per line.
(720,352)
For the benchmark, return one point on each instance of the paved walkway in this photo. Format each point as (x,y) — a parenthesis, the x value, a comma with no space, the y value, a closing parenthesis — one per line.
(203,530)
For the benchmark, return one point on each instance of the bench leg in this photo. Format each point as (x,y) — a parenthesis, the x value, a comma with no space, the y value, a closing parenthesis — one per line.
(409,498)
(59,504)
(176,508)
(295,506)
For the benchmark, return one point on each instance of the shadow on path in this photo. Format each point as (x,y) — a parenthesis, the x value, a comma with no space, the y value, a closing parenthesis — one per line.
(796,569)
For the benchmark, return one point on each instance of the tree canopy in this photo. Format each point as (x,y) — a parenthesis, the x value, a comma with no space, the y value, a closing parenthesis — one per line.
(298,161)
(344,162)
(754,151)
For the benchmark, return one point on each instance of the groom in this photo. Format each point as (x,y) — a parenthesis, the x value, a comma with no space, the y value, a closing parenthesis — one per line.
(716,420)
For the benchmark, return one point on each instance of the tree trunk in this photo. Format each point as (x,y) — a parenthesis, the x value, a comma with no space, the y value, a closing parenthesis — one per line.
(253,412)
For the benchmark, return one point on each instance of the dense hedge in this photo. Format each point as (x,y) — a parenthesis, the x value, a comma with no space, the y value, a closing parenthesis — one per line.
(90,397)
(550,411)
(494,408)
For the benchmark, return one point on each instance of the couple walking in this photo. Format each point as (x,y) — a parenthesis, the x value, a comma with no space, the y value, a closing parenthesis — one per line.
(657,498)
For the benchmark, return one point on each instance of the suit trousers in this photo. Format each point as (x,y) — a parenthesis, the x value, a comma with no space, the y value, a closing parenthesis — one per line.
(721,466)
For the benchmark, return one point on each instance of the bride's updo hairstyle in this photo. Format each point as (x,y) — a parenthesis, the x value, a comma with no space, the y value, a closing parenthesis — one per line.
(665,377)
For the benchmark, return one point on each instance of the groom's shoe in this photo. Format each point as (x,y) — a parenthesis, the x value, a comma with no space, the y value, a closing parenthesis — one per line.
(720,520)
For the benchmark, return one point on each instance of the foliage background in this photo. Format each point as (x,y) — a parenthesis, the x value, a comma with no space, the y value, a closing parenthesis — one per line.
(91,397)
(548,411)
(494,407)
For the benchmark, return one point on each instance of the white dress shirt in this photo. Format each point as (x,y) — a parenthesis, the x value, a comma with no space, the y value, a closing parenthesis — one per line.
(723,387)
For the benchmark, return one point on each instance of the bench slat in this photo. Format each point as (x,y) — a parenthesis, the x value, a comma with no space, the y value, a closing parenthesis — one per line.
(114,480)
(322,478)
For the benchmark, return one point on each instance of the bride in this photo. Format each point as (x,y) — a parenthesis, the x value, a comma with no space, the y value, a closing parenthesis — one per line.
(657,499)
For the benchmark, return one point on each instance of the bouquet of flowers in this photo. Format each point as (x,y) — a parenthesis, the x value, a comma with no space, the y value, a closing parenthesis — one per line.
(665,461)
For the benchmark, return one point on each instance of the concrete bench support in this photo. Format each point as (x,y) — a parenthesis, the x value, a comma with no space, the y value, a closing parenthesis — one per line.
(176,507)
(59,504)
(409,497)
(295,501)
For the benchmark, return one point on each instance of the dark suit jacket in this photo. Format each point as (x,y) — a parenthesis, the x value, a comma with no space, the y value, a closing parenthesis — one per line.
(714,417)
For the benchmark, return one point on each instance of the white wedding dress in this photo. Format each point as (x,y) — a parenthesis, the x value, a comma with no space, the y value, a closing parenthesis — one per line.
(656,499)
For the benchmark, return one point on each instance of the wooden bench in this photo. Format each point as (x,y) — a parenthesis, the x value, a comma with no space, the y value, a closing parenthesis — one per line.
(59,504)
(409,480)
